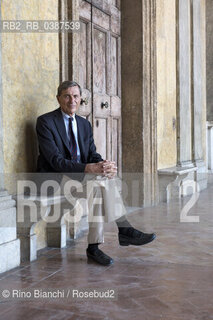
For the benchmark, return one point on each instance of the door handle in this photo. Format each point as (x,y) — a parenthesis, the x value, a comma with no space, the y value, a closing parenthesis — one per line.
(104,104)
(86,100)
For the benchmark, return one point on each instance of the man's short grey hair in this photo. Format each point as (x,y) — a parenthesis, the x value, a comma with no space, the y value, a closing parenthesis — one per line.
(67,84)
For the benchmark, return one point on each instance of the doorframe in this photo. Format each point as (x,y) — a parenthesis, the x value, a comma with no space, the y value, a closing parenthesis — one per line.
(68,69)
(68,10)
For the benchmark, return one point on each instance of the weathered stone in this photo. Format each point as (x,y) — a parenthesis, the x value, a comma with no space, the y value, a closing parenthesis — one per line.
(9,245)
(7,225)
(9,255)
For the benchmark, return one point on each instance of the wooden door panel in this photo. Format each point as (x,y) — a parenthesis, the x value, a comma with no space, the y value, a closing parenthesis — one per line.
(99,61)
(119,66)
(115,63)
(115,20)
(85,10)
(85,68)
(115,139)
(103,5)
(115,104)
(101,80)
(99,109)
(100,19)
(114,66)
(85,62)
(102,137)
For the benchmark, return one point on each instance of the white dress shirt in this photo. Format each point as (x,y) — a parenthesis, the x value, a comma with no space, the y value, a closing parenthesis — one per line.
(75,131)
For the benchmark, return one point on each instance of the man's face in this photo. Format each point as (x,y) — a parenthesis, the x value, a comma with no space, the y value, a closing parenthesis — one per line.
(70,100)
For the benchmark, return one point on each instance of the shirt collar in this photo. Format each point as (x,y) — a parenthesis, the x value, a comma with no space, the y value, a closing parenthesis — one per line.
(65,115)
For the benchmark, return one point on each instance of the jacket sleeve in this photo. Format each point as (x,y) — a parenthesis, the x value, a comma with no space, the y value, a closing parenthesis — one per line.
(94,157)
(50,151)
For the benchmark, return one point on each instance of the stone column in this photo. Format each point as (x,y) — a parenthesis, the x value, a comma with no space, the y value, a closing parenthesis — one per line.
(139,80)
(209,86)
(199,90)
(184,125)
(9,244)
(209,58)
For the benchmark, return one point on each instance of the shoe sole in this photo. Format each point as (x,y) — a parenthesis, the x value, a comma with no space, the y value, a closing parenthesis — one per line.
(93,259)
(124,241)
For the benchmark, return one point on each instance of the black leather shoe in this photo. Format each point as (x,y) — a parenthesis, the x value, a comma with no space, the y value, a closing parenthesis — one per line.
(100,257)
(136,238)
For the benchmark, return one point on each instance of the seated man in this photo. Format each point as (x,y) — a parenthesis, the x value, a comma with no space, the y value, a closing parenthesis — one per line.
(66,145)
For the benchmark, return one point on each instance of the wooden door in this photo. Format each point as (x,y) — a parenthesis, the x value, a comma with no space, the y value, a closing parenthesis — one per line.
(85,59)
(100,74)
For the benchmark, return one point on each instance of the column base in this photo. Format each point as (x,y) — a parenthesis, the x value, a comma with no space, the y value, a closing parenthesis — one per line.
(10,255)
(9,244)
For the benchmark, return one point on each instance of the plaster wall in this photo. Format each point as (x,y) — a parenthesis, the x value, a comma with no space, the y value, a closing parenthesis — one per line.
(166,83)
(1,122)
(30,76)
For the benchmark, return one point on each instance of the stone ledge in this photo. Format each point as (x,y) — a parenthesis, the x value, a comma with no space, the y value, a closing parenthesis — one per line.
(171,180)
(176,171)
(43,200)
(56,232)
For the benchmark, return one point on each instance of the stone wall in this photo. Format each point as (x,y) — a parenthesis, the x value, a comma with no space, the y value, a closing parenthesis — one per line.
(30,76)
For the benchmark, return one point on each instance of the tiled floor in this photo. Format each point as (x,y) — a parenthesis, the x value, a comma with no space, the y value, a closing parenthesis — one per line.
(169,279)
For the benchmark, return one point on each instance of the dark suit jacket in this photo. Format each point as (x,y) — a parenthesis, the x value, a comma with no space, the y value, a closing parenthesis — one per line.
(54,146)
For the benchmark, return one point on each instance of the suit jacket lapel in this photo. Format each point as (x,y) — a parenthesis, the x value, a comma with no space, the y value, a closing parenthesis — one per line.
(80,138)
(59,122)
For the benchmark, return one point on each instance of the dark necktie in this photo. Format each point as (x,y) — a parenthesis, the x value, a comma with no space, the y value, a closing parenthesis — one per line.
(73,145)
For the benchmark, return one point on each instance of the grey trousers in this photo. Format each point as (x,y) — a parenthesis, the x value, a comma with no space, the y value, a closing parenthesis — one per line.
(104,202)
